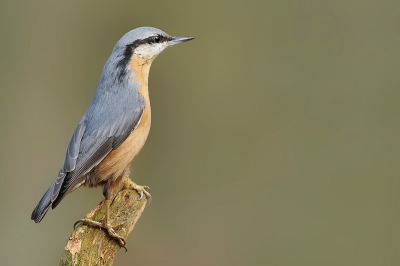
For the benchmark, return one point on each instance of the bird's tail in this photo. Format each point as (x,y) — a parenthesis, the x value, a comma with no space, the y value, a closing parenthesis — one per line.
(43,206)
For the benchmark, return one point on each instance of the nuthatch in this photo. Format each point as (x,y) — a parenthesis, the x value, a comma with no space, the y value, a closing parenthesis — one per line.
(114,128)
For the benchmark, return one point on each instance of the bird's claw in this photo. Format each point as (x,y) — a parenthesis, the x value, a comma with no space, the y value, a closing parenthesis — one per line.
(110,230)
(141,190)
(76,223)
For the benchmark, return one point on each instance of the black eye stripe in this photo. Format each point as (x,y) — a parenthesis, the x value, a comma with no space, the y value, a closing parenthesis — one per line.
(149,40)
(156,39)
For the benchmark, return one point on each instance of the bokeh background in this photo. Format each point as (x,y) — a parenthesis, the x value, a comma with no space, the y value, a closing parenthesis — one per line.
(274,140)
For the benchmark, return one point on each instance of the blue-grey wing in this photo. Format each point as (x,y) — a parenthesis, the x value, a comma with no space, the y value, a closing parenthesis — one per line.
(85,151)
(94,147)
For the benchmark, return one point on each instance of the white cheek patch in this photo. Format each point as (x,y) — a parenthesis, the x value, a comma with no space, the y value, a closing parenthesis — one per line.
(150,50)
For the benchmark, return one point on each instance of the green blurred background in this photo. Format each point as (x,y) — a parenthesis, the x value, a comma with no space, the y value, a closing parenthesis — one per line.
(274,140)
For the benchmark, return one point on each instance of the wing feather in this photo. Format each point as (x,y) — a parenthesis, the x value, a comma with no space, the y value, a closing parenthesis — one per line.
(93,149)
(70,157)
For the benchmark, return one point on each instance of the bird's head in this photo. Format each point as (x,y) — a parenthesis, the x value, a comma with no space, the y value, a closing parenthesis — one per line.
(147,42)
(143,44)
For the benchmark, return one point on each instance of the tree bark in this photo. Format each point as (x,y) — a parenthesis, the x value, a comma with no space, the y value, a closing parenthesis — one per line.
(92,245)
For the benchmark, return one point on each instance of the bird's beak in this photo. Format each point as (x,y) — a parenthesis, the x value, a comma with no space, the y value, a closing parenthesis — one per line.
(179,39)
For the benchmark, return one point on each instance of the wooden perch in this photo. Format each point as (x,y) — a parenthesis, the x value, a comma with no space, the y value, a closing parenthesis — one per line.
(92,246)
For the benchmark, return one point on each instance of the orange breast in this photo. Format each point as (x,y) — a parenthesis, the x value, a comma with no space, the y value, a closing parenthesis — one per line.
(115,164)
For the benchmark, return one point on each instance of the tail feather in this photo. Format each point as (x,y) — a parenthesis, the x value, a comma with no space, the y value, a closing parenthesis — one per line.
(43,206)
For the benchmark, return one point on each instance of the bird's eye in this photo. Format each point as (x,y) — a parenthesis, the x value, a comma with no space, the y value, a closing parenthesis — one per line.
(156,39)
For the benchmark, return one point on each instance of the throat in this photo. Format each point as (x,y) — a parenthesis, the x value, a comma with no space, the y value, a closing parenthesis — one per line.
(141,68)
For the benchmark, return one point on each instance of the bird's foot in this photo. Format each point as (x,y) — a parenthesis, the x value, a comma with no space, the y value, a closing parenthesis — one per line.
(110,230)
(141,190)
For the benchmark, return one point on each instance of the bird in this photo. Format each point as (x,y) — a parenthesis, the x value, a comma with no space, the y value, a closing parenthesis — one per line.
(114,127)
